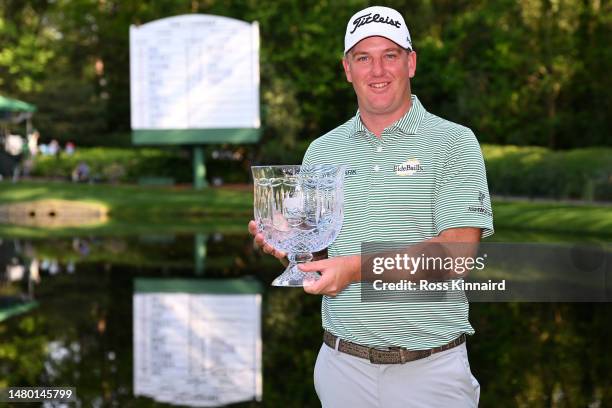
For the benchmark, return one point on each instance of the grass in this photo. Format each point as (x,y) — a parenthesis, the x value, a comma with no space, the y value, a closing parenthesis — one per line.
(553,217)
(138,209)
(130,202)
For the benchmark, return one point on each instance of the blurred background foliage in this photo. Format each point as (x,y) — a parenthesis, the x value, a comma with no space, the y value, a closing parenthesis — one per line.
(528,72)
(526,171)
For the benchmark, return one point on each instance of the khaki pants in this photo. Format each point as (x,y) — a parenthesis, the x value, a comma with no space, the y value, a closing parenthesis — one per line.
(442,380)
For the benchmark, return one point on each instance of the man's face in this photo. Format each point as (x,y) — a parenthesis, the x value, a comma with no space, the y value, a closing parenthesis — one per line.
(380,72)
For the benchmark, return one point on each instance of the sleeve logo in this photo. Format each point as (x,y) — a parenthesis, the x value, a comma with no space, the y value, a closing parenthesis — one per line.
(481,209)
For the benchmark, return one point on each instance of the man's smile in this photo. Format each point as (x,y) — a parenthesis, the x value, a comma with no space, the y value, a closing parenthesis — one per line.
(379,85)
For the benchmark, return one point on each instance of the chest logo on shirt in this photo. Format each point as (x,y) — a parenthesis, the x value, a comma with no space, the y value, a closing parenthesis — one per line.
(408,168)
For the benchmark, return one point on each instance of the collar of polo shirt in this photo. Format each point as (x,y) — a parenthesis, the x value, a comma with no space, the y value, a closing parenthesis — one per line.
(407,124)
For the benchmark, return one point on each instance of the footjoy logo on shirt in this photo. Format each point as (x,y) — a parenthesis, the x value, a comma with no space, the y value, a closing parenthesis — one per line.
(408,168)
(481,209)
(376,18)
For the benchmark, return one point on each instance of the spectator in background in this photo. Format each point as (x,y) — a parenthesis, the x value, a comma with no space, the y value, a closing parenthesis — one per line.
(69,148)
(81,173)
(14,145)
(53,149)
(27,160)
(33,142)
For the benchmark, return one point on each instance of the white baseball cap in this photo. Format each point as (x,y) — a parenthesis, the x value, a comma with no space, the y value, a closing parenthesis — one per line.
(377,21)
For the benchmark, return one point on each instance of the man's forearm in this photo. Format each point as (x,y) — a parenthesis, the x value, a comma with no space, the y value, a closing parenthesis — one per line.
(452,244)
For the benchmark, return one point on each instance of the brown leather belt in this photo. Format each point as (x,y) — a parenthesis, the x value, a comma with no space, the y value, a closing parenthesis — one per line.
(394,355)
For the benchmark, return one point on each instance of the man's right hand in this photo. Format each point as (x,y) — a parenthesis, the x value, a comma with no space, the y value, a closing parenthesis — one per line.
(261,243)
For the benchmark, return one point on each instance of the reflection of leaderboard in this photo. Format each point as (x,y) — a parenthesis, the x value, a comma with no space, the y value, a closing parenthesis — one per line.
(197,342)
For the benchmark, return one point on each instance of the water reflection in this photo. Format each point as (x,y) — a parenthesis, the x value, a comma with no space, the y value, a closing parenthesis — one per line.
(18,280)
(81,333)
(197,342)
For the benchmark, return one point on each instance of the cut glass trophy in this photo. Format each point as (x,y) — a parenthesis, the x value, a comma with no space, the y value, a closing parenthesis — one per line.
(299,210)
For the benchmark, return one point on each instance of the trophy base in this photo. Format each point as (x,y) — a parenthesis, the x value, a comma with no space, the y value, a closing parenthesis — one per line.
(293,277)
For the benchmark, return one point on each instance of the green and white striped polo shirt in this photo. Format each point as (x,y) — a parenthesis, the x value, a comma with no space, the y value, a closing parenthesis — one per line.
(422,176)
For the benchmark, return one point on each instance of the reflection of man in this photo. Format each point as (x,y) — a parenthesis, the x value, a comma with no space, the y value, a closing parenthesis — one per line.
(412,177)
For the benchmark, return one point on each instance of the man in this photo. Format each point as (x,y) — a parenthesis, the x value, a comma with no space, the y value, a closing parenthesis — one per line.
(412,177)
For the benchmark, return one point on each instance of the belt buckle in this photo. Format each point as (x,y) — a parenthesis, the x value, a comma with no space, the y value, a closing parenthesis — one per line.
(382,358)
(406,355)
(402,355)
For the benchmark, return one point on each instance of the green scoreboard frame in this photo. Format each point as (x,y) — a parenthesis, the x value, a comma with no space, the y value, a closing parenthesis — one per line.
(195,138)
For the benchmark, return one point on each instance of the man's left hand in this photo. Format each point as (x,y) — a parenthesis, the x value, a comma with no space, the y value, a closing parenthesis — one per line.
(336,274)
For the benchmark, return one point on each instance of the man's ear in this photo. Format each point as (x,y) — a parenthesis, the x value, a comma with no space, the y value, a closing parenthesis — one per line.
(347,71)
(413,62)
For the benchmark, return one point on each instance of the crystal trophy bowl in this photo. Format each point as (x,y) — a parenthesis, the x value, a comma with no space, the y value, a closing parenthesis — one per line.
(299,210)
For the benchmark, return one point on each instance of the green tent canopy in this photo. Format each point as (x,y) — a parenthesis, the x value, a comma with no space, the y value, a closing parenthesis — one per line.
(12,307)
(15,105)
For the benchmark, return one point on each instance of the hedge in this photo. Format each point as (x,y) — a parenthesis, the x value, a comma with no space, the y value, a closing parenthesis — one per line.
(584,174)
(117,164)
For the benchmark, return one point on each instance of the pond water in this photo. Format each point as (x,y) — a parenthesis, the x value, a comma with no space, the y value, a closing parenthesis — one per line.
(191,320)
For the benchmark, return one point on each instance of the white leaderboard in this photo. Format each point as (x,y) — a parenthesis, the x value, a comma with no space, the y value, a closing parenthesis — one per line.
(194,72)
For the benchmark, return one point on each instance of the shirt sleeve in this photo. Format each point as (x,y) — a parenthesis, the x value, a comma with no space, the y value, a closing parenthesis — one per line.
(461,197)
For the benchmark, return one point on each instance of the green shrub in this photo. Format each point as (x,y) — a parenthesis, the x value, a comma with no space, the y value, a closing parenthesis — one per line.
(539,172)
(511,170)
(118,165)
(273,152)
(131,164)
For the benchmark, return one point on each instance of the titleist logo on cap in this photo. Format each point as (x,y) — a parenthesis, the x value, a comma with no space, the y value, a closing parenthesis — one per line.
(376,18)
(391,25)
